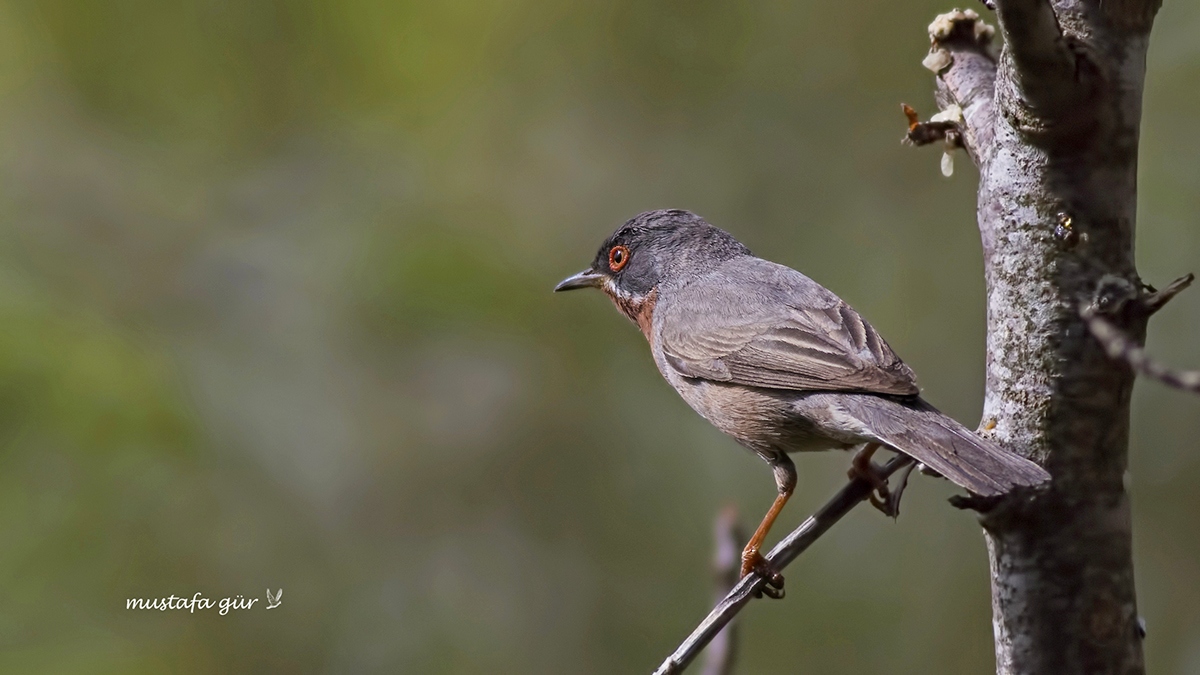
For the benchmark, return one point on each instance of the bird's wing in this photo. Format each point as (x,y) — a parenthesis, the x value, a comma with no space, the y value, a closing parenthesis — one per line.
(755,323)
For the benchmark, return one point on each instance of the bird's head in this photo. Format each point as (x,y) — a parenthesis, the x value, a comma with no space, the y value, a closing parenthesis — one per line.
(652,249)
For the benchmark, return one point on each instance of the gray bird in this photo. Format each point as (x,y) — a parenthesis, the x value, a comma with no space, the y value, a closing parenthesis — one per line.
(779,362)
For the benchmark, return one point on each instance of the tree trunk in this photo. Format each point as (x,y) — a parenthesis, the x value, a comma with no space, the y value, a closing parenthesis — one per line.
(1053,126)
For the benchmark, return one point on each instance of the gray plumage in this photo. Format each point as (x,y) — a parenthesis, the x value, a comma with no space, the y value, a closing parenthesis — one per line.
(776,360)
(753,322)
(748,323)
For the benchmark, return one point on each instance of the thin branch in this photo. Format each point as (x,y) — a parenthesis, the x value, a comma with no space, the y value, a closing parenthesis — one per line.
(1156,299)
(1118,298)
(1118,346)
(729,539)
(856,491)
(937,128)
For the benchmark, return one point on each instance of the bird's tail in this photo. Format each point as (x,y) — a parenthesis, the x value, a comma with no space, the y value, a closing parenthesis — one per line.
(921,431)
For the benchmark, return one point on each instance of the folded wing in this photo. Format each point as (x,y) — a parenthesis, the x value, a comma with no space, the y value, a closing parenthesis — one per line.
(765,325)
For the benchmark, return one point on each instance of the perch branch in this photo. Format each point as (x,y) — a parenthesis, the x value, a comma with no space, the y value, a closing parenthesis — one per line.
(856,491)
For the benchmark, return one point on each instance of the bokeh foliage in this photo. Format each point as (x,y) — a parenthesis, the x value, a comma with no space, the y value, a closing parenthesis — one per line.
(274,282)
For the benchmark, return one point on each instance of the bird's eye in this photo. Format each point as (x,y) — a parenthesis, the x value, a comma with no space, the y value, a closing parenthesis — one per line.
(617,257)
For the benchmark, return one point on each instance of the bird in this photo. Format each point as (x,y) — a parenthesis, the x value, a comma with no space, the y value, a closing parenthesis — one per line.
(781,364)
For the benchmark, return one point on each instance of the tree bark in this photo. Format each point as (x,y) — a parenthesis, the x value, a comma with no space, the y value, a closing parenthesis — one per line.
(1052,125)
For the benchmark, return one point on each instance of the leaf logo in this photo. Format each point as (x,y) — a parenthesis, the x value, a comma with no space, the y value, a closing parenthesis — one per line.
(274,601)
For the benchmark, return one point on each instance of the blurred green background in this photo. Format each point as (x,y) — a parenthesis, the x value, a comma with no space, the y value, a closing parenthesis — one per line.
(275,295)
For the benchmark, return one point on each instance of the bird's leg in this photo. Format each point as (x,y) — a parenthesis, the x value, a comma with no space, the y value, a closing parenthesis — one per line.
(861,467)
(752,559)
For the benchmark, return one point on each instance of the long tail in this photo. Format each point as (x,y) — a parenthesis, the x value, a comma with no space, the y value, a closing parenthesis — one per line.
(921,431)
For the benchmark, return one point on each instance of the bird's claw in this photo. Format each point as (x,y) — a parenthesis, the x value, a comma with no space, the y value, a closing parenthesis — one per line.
(886,502)
(753,561)
(881,496)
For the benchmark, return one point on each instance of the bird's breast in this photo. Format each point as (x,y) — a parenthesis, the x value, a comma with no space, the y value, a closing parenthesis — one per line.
(762,420)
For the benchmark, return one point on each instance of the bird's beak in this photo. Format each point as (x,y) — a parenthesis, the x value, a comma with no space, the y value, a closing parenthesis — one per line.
(585,279)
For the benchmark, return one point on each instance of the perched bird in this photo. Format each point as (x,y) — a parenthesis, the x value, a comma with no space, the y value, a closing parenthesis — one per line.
(779,362)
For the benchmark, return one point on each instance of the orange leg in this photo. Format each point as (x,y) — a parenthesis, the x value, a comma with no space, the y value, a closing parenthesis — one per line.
(752,559)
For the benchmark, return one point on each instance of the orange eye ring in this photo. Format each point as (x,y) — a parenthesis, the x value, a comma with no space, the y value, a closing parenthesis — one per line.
(618,257)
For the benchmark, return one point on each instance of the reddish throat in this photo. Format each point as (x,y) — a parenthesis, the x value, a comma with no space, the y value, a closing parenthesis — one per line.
(639,310)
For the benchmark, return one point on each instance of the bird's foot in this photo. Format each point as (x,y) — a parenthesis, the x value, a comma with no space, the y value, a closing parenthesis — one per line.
(753,561)
(881,497)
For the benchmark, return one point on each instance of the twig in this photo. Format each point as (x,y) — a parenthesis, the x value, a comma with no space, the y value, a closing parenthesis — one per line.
(856,491)
(1156,299)
(1118,346)
(945,126)
(729,539)
(936,129)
